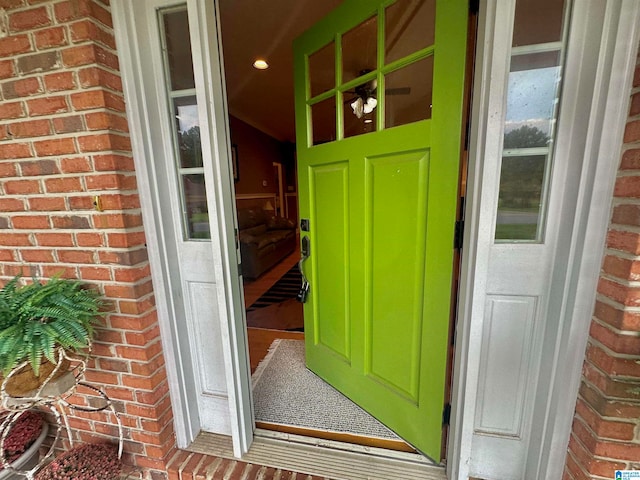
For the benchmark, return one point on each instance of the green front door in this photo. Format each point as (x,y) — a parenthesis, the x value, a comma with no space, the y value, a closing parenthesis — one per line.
(379,90)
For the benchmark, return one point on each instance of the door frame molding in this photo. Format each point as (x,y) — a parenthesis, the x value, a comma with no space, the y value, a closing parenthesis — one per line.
(615,59)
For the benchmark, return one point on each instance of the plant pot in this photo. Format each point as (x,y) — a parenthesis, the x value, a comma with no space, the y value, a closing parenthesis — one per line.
(28,459)
(25,382)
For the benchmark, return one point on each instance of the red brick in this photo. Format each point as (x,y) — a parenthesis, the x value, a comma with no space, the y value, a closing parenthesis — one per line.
(79,55)
(11,205)
(81,203)
(54,239)
(57,82)
(14,44)
(125,240)
(75,165)
(623,344)
(110,181)
(47,204)
(8,170)
(63,185)
(6,69)
(133,323)
(31,222)
(90,240)
(632,132)
(120,202)
(50,37)
(86,30)
(9,151)
(113,163)
(38,62)
(21,88)
(625,241)
(101,378)
(39,255)
(68,124)
(75,256)
(97,99)
(15,239)
(628,187)
(29,19)
(47,106)
(95,76)
(627,215)
(9,110)
(625,294)
(60,146)
(630,159)
(634,108)
(17,187)
(74,222)
(623,268)
(106,121)
(118,220)
(618,318)
(7,255)
(95,273)
(30,128)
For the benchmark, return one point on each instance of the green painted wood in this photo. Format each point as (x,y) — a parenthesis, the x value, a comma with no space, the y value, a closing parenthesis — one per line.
(382,208)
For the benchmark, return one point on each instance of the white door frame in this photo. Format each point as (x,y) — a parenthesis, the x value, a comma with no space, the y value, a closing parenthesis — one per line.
(602,65)
(601,147)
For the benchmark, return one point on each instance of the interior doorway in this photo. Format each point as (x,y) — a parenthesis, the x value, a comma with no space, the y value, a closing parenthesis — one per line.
(260,99)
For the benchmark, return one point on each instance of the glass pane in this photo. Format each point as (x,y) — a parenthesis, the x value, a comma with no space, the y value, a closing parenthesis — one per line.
(538,21)
(195,202)
(519,202)
(322,69)
(409,26)
(360,109)
(359,50)
(531,105)
(188,131)
(323,121)
(408,93)
(176,33)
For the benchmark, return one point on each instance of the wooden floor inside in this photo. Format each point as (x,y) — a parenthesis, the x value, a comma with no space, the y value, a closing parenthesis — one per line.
(260,339)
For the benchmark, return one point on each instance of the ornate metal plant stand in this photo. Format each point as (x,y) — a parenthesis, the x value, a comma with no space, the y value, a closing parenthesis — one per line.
(55,396)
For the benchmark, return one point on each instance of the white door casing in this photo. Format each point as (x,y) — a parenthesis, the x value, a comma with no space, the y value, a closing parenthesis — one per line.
(526,436)
(611,56)
(200,302)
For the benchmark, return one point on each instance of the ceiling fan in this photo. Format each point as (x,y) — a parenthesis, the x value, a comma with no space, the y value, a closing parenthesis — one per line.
(365,100)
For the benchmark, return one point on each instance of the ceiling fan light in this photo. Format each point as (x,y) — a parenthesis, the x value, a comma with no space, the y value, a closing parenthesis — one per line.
(372,103)
(358,107)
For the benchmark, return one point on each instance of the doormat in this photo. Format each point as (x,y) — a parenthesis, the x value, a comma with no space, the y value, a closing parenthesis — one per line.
(284,289)
(287,393)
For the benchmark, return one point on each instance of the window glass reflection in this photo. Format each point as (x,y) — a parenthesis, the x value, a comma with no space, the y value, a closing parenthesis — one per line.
(359,49)
(176,34)
(408,93)
(322,72)
(195,198)
(409,27)
(188,131)
(323,121)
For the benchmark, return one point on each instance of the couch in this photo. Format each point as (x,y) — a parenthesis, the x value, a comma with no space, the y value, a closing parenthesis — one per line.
(264,240)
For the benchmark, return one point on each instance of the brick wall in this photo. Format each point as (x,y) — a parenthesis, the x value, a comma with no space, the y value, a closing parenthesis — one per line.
(606,427)
(64,140)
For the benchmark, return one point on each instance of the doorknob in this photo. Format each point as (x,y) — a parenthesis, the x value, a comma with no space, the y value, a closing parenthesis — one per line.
(305,252)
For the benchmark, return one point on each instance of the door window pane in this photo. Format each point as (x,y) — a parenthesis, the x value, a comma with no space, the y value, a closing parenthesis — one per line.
(409,27)
(521,183)
(323,121)
(359,49)
(532,107)
(178,43)
(408,93)
(188,132)
(195,202)
(322,73)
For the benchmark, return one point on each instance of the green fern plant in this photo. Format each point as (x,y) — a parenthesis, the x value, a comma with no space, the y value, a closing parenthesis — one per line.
(37,318)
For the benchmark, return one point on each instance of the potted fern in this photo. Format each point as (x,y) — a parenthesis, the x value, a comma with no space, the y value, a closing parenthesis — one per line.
(40,322)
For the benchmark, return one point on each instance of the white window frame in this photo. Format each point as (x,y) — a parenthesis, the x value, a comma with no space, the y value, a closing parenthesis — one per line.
(616,53)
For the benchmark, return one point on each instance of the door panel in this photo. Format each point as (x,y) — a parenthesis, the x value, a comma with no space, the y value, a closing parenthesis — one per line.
(381,201)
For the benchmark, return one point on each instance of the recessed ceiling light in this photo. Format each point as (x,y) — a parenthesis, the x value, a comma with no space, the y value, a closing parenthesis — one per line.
(260,64)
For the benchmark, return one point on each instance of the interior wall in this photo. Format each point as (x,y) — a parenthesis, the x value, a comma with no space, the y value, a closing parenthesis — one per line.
(256,151)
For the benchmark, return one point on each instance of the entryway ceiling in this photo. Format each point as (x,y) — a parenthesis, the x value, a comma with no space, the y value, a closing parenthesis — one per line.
(265,29)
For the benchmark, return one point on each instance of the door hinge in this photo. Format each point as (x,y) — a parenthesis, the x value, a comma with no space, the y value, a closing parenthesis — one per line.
(458,235)
(446,414)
